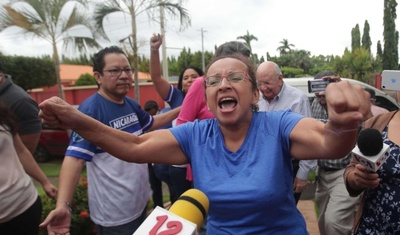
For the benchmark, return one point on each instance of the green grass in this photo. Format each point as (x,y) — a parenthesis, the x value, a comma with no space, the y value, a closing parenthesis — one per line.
(311,175)
(51,169)
(165,199)
(316,209)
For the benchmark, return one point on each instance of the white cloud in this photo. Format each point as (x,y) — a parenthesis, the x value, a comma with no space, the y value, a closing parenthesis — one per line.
(319,26)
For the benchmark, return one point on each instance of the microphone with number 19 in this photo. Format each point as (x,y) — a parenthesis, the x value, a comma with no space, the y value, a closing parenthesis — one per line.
(185,216)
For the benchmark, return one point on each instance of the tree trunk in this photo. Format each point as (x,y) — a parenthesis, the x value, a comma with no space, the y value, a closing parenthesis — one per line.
(57,69)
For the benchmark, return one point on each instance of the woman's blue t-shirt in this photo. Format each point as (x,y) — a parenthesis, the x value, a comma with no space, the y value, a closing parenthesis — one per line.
(250,190)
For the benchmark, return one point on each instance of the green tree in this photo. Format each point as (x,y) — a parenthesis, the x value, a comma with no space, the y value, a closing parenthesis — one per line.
(366,39)
(361,64)
(173,66)
(262,60)
(294,59)
(185,58)
(30,72)
(289,72)
(377,63)
(81,60)
(197,59)
(44,19)
(396,51)
(339,66)
(247,38)
(135,8)
(355,38)
(302,60)
(285,48)
(85,80)
(347,60)
(358,64)
(144,64)
(268,56)
(390,50)
(379,49)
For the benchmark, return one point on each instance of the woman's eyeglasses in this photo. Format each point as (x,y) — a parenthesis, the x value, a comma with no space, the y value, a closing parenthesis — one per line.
(233,77)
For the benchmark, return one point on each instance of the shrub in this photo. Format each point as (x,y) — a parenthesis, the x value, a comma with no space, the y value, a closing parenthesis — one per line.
(80,220)
(85,79)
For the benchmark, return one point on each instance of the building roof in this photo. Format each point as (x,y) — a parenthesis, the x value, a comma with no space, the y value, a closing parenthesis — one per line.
(69,73)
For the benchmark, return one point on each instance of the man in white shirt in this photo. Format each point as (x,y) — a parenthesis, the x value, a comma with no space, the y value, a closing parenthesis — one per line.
(276,95)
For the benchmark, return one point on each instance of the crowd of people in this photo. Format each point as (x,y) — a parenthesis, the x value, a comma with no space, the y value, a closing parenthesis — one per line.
(235,131)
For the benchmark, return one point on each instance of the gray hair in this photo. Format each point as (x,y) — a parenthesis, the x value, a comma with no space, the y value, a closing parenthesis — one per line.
(232,47)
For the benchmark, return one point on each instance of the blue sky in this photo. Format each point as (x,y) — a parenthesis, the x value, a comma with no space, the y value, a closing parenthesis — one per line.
(319,26)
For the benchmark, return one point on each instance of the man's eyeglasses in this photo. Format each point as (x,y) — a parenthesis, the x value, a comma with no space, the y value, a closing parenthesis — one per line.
(262,84)
(233,77)
(118,72)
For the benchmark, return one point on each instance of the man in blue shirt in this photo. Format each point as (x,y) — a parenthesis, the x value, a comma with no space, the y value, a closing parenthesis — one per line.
(118,191)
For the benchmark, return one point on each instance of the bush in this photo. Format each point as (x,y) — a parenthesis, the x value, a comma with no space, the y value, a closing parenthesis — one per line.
(80,221)
(289,72)
(85,79)
(30,72)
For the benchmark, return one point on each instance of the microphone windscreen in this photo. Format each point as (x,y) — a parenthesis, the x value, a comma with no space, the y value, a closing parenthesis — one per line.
(370,142)
(192,205)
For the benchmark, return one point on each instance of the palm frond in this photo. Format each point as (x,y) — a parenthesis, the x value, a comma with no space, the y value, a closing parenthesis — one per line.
(38,7)
(81,44)
(174,9)
(11,17)
(76,18)
(101,11)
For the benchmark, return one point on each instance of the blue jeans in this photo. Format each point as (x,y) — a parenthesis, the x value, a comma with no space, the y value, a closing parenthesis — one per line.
(178,180)
(162,172)
(156,187)
(125,229)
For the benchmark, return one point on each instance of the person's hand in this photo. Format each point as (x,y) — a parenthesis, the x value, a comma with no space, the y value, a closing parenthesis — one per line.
(362,177)
(155,42)
(347,105)
(57,221)
(56,112)
(299,185)
(332,78)
(50,189)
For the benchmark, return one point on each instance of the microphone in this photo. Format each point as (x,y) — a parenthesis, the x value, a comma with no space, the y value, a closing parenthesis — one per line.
(370,150)
(184,217)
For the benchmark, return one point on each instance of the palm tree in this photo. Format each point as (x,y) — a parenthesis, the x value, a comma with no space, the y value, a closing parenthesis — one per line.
(134,8)
(44,19)
(285,48)
(247,39)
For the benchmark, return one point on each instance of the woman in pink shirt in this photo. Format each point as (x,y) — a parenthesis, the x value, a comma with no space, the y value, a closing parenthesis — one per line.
(174,96)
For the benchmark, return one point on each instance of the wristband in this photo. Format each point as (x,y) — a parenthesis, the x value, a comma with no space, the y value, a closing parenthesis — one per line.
(68,205)
(338,131)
